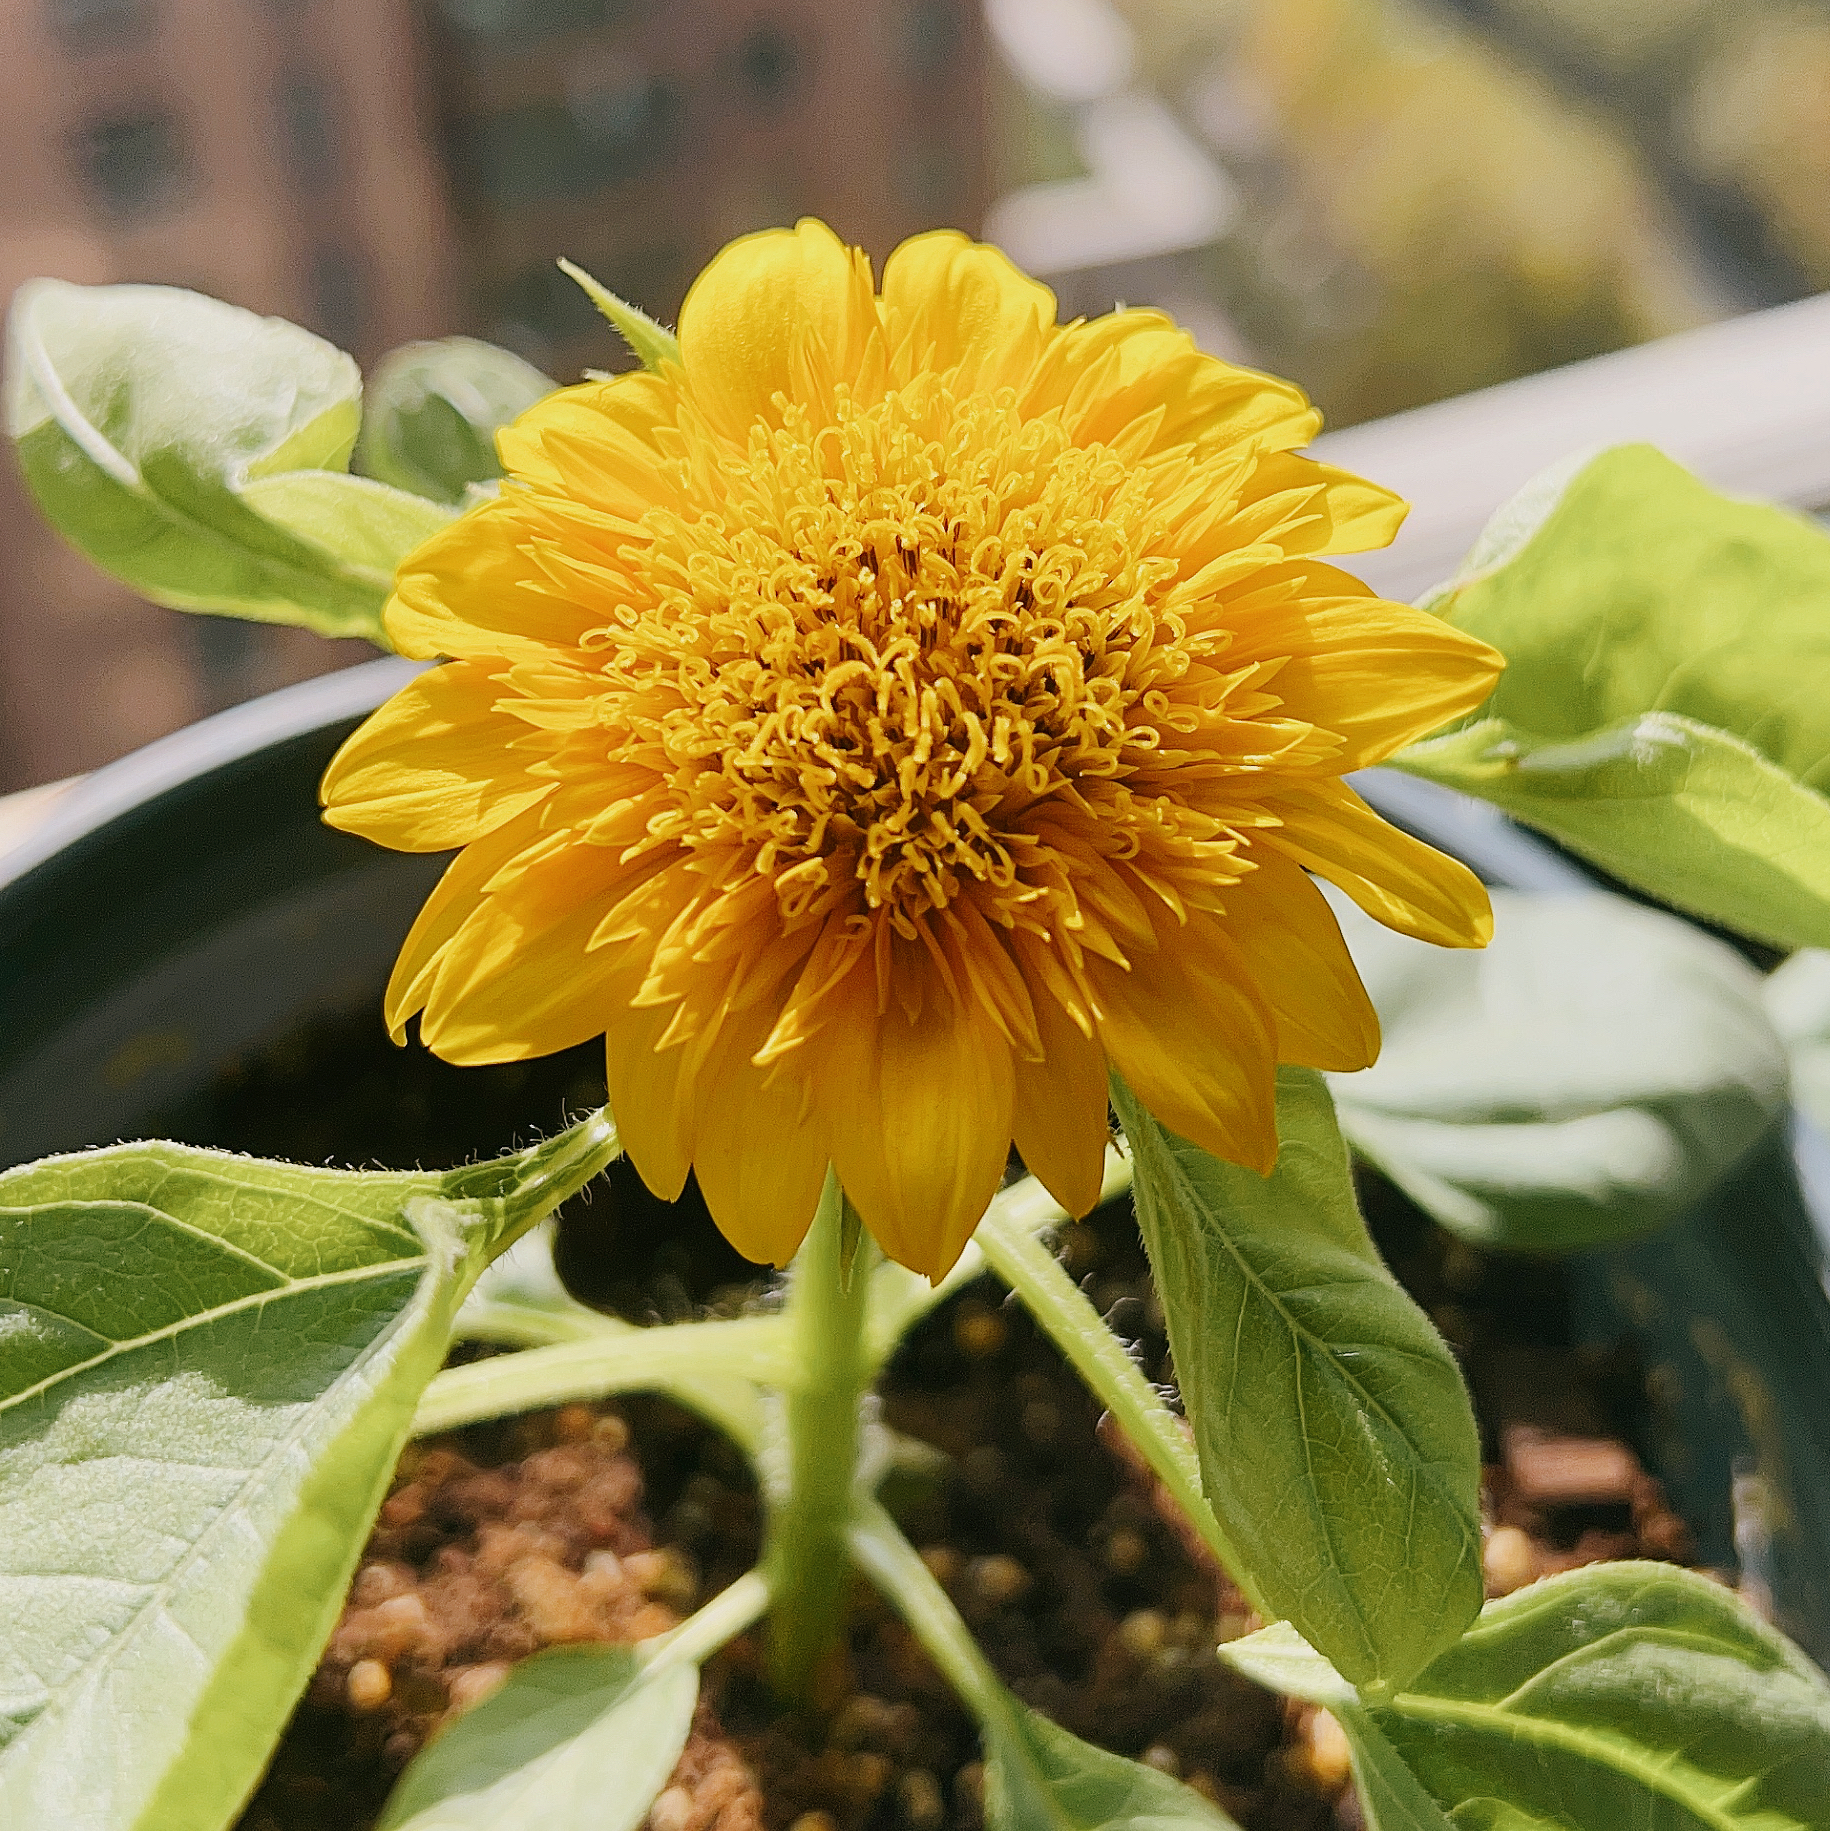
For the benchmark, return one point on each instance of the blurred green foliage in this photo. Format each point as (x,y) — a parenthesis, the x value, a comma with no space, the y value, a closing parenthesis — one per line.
(1443,194)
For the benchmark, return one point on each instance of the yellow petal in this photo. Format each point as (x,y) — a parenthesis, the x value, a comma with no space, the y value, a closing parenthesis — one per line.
(596,441)
(1351,515)
(1294,947)
(761,303)
(651,1098)
(949,301)
(920,1116)
(759,1147)
(517,979)
(1379,675)
(1396,879)
(453,900)
(1059,1120)
(434,768)
(1116,370)
(1191,1034)
(471,592)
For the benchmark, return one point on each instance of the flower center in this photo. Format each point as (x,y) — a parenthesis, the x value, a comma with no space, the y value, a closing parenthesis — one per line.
(909,644)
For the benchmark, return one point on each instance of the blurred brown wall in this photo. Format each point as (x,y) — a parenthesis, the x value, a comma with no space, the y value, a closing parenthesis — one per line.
(382,171)
(639,136)
(277,153)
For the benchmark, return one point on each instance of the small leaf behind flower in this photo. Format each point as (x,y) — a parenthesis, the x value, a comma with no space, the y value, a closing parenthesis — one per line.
(1621,1694)
(144,414)
(1660,710)
(1040,1778)
(577,1739)
(208,1365)
(432,410)
(1337,1444)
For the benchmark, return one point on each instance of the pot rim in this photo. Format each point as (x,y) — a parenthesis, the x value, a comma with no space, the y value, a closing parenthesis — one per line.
(142,776)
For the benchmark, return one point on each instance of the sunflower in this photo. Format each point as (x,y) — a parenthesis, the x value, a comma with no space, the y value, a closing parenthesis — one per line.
(891,718)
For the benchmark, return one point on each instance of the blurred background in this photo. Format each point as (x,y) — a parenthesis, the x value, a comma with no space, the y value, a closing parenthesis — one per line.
(1393,201)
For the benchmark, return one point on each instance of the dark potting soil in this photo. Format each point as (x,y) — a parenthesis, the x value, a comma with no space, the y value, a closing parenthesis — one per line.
(1093,1600)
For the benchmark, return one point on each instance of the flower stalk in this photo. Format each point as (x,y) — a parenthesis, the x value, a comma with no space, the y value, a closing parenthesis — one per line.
(807,1561)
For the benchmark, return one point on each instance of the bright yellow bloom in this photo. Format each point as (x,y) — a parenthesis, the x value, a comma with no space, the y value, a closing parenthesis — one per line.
(890,718)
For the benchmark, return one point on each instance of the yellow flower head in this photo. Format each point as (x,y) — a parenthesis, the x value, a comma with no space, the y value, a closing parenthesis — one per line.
(888,719)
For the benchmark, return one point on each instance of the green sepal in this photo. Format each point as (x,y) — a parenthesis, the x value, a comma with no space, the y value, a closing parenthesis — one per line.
(650,343)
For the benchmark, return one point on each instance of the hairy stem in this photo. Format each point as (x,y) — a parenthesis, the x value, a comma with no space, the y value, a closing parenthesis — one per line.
(806,1559)
(1102,1360)
(895,1567)
(722,1619)
(707,1366)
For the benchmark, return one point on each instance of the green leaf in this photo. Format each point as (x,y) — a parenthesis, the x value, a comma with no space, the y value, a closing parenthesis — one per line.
(1621,1694)
(430,420)
(1280,1659)
(208,1365)
(1594,1072)
(648,342)
(1687,813)
(142,415)
(1338,1449)
(1660,711)
(578,1739)
(368,526)
(1797,999)
(1040,1778)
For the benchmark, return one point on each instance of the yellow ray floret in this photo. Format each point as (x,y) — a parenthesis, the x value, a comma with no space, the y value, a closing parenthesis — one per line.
(891,718)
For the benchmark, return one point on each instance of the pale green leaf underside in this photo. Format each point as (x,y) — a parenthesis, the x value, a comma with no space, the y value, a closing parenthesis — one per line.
(1337,1445)
(579,1739)
(370,527)
(1633,1695)
(207,1367)
(1592,1073)
(143,413)
(1038,1777)
(1662,710)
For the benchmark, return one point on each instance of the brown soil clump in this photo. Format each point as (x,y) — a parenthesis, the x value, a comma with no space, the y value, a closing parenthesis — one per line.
(1092,1597)
(473,1565)
(1095,1603)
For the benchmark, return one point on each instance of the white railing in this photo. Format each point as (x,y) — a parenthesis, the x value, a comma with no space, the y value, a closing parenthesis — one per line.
(1745,404)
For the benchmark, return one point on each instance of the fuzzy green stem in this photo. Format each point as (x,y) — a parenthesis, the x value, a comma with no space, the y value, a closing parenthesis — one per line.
(708,1366)
(806,1561)
(895,1567)
(1102,1360)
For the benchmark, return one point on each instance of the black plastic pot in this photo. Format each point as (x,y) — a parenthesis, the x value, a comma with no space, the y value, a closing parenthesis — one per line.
(183,911)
